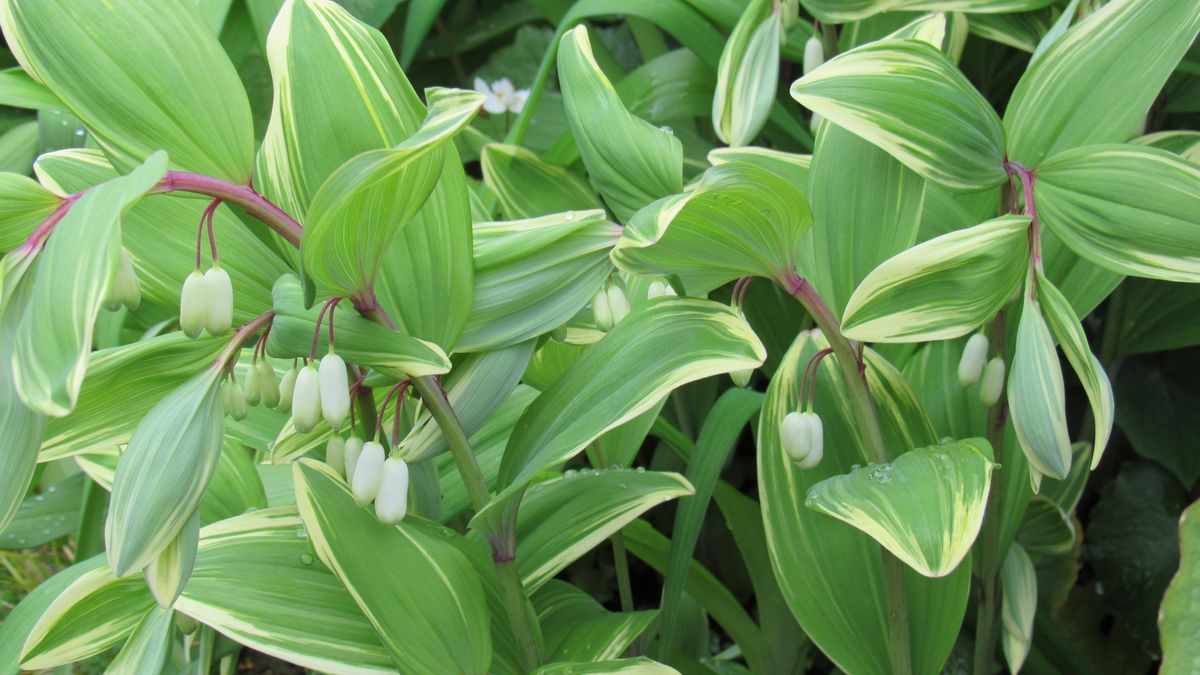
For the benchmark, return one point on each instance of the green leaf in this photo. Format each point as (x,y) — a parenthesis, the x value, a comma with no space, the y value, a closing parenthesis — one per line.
(955,411)
(359,209)
(563,518)
(1128,208)
(926,506)
(257,581)
(46,516)
(164,471)
(630,161)
(1045,528)
(748,74)
(167,574)
(943,288)
(51,345)
(19,90)
(147,649)
(832,575)
(907,98)
(23,204)
(359,340)
(22,619)
(1157,316)
(1018,583)
(578,628)
(1069,333)
(22,428)
(527,187)
(840,11)
(172,88)
(633,666)
(739,219)
(649,353)
(532,276)
(1181,603)
(1149,398)
(1096,82)
(1037,398)
(438,583)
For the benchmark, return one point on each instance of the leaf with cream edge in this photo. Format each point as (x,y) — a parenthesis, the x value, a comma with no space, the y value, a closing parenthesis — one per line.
(632,666)
(942,288)
(831,575)
(1128,208)
(171,88)
(167,574)
(360,208)
(748,74)
(26,614)
(438,584)
(578,628)
(54,337)
(738,220)
(147,649)
(23,429)
(1018,583)
(907,98)
(1037,397)
(164,472)
(527,186)
(1069,333)
(630,161)
(23,204)
(926,506)
(842,11)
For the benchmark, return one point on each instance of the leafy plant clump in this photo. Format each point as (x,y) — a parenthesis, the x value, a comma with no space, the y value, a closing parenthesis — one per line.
(370,336)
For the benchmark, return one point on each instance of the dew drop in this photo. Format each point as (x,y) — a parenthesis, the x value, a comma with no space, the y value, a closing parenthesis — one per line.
(52,488)
(569,215)
(301,533)
(306,559)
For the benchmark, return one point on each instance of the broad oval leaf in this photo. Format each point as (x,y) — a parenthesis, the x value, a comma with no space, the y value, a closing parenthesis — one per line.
(909,99)
(171,88)
(438,582)
(738,220)
(1128,208)
(527,186)
(630,161)
(942,288)
(926,506)
(52,342)
(1037,398)
(163,474)
(1181,602)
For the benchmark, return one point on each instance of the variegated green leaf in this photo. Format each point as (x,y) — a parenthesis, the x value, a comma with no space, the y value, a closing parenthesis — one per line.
(1070,336)
(926,506)
(633,666)
(1037,398)
(164,472)
(1128,208)
(147,649)
(748,74)
(578,628)
(43,517)
(791,166)
(167,575)
(1096,82)
(840,11)
(738,220)
(1018,584)
(438,583)
(527,187)
(22,619)
(1181,602)
(910,100)
(532,276)
(21,428)
(943,288)
(23,204)
(172,88)
(51,344)
(359,209)
(630,161)
(19,90)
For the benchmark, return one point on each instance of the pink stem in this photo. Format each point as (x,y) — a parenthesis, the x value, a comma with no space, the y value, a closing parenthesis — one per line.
(240,195)
(228,355)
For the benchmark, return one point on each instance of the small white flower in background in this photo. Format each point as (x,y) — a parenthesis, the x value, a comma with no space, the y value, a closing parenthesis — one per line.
(306,399)
(354,447)
(286,388)
(974,355)
(368,473)
(193,304)
(268,381)
(993,382)
(501,96)
(335,453)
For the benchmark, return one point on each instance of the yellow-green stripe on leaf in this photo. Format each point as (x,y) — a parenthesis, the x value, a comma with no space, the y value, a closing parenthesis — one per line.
(1037,398)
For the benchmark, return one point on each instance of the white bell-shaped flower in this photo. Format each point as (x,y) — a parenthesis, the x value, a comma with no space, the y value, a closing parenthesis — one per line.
(335,453)
(219,314)
(802,436)
(974,355)
(993,382)
(368,473)
(814,54)
(354,446)
(193,304)
(306,400)
(660,289)
(335,390)
(286,389)
(391,504)
(268,382)
(237,403)
(601,311)
(252,385)
(618,304)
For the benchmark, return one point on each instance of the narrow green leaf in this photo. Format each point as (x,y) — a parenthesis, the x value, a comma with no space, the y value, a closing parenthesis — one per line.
(578,628)
(22,619)
(1181,603)
(748,74)
(1018,583)
(840,11)
(147,649)
(173,88)
(911,101)
(630,162)
(19,90)
(52,342)
(46,516)
(167,575)
(22,428)
(23,204)
(1037,398)
(527,187)
(633,666)
(1045,528)
(943,288)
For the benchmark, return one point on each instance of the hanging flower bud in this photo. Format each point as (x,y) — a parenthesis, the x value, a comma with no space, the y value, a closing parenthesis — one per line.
(659,289)
(252,385)
(237,403)
(803,438)
(559,334)
(391,504)
(974,355)
(618,304)
(124,289)
(268,383)
(354,446)
(219,315)
(227,396)
(335,453)
(286,389)
(601,310)
(368,472)
(741,378)
(993,382)
(814,54)
(306,400)
(335,390)
(193,304)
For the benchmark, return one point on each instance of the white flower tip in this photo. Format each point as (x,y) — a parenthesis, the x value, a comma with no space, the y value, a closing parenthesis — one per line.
(193,304)
(617,303)
(803,438)
(368,472)
(601,310)
(391,502)
(354,447)
(993,382)
(335,390)
(219,311)
(306,399)
(335,453)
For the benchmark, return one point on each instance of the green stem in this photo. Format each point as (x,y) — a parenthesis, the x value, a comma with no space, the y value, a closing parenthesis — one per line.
(987,616)
(620,559)
(899,644)
(520,619)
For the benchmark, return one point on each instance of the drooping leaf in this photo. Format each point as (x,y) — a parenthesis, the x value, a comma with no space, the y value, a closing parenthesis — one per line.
(840,11)
(45,516)
(1018,584)
(22,619)
(22,428)
(943,288)
(1181,602)
(740,219)
(1037,398)
(910,100)
(163,474)
(1045,528)
(438,584)
(926,506)
(578,628)
(172,88)
(51,344)
(527,187)
(748,74)
(167,574)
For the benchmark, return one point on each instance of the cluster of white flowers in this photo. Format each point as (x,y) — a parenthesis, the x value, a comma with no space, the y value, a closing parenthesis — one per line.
(206,302)
(971,367)
(501,96)
(260,386)
(371,476)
